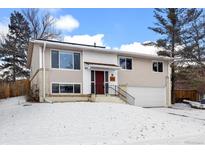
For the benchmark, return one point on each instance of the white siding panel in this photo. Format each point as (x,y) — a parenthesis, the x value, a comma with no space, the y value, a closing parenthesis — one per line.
(86,81)
(97,57)
(148,97)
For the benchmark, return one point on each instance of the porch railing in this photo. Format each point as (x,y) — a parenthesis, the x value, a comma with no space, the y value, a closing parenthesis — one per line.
(117,91)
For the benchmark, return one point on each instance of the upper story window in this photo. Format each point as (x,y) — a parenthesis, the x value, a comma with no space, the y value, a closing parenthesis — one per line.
(157,66)
(125,63)
(65,60)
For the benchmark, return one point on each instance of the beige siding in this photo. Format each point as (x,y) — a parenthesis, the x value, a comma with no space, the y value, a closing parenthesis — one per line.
(35,60)
(142,74)
(35,75)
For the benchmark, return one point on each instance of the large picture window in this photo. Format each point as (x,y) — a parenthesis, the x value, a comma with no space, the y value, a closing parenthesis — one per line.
(125,63)
(65,60)
(157,66)
(66,88)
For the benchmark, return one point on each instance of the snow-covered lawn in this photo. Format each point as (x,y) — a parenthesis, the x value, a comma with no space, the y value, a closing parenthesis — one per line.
(98,123)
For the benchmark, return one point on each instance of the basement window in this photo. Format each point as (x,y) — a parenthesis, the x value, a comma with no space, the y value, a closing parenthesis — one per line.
(55,88)
(66,88)
(157,66)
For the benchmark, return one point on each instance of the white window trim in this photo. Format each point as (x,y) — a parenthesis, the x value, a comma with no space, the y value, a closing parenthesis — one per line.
(72,83)
(104,80)
(157,66)
(125,63)
(66,51)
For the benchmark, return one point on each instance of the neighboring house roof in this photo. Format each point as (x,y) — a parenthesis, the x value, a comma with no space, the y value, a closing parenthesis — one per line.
(91,48)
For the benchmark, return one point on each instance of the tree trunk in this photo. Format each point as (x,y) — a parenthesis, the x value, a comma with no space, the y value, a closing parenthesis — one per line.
(173,84)
(173,68)
(14,68)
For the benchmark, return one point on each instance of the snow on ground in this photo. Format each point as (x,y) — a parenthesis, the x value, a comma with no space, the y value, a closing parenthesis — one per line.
(97,123)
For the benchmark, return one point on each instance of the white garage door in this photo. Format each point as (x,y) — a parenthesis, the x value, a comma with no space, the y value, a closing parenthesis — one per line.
(148,97)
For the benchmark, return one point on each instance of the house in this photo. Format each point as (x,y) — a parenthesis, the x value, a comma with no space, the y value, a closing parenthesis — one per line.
(63,71)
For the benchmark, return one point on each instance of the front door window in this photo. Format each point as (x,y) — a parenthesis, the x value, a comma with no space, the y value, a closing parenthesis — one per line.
(92,82)
(106,82)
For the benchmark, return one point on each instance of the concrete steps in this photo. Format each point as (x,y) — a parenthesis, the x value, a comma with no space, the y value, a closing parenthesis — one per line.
(106,98)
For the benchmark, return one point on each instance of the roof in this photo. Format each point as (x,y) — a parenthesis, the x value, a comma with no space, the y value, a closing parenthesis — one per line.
(92,48)
(86,45)
(100,64)
(91,65)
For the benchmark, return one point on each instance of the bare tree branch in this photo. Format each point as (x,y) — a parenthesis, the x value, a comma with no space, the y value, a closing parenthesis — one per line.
(42,25)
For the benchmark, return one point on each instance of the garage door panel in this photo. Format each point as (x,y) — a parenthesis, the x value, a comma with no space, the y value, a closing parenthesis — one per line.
(148,97)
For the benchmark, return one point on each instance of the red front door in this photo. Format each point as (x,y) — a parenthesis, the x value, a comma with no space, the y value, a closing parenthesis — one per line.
(99,81)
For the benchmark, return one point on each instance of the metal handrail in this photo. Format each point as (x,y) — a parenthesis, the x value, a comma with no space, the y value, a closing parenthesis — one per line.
(117,91)
(123,95)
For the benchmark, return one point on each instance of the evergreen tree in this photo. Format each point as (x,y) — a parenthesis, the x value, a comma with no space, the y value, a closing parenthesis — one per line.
(14,49)
(194,43)
(171,25)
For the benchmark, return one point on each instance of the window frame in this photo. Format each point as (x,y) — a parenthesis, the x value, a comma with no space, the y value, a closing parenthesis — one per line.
(124,57)
(64,51)
(66,83)
(155,61)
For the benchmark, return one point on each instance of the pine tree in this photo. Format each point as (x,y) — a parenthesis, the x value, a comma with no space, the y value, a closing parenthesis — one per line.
(14,49)
(171,25)
(194,43)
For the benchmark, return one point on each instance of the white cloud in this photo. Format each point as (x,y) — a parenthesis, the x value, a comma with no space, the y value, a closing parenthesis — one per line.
(67,23)
(51,10)
(86,39)
(139,48)
(98,39)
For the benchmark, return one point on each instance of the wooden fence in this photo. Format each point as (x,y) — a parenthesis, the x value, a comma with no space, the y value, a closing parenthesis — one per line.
(186,94)
(18,88)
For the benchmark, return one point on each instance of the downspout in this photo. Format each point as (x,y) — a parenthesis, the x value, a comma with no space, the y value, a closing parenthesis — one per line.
(44,71)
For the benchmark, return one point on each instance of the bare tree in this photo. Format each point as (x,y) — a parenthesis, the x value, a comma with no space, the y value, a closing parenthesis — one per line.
(42,25)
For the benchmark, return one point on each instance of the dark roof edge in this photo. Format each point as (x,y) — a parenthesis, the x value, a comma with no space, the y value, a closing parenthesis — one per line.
(72,43)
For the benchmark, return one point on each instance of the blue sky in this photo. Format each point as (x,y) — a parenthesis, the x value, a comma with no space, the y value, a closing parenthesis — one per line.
(112,27)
